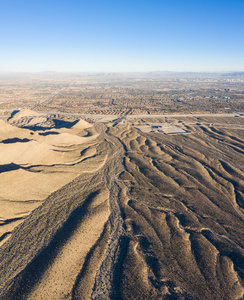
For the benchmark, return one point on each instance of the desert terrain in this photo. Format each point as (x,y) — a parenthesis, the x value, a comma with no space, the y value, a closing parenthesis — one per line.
(121,207)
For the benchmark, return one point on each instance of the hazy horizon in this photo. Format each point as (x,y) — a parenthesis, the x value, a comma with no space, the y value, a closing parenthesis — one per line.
(111,36)
(121,72)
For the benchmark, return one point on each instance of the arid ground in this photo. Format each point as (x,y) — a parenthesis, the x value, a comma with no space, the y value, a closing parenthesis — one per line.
(133,207)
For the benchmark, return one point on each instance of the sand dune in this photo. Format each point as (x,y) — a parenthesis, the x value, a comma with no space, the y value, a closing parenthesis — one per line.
(17,115)
(126,214)
(14,184)
(35,164)
(7,131)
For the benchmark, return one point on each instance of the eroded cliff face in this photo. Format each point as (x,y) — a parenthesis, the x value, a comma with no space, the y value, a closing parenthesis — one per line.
(147,216)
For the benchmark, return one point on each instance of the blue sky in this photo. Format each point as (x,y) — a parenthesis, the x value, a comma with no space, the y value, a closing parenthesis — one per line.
(121,36)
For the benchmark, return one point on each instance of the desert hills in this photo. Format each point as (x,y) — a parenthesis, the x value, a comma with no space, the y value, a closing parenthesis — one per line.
(23,152)
(105,210)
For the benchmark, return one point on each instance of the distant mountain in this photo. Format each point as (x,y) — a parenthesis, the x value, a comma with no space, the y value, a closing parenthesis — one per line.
(234,74)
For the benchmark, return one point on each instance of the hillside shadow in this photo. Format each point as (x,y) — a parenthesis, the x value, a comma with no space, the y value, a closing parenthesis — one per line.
(14,112)
(57,125)
(48,133)
(9,167)
(15,140)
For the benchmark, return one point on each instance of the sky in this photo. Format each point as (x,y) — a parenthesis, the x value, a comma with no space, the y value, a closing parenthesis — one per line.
(122,36)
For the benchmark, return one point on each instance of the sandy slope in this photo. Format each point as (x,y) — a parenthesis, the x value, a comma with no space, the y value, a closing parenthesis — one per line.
(33,164)
(148,216)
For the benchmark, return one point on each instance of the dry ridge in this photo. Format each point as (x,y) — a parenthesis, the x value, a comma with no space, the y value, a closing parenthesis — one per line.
(135,215)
